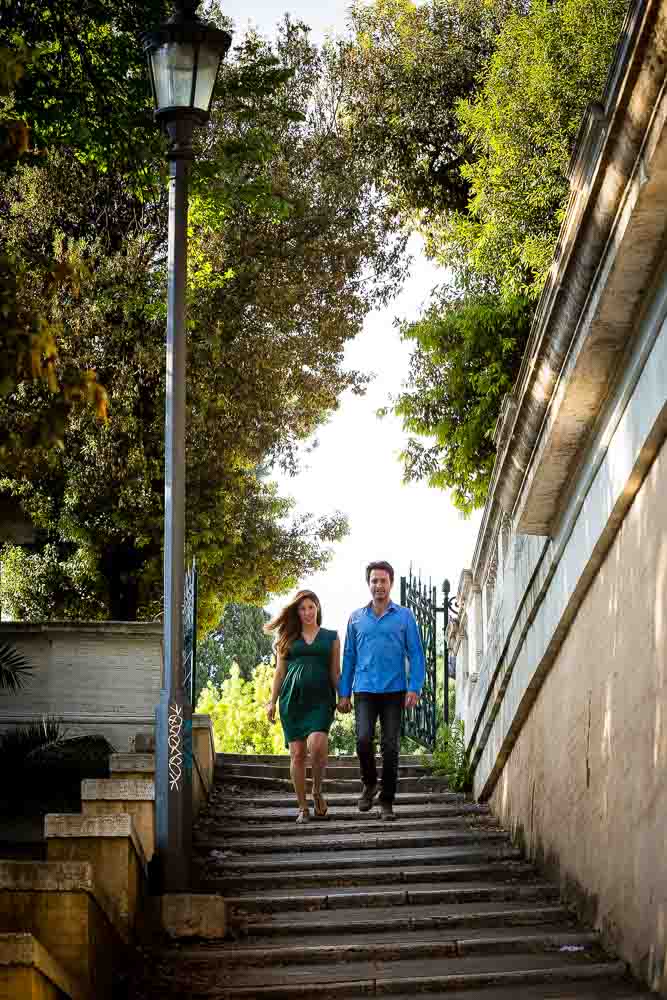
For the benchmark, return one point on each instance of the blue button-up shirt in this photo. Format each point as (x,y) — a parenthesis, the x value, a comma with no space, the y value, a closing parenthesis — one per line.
(376,650)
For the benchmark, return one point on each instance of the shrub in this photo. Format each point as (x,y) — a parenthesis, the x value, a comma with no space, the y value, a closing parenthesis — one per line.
(451,757)
(238,713)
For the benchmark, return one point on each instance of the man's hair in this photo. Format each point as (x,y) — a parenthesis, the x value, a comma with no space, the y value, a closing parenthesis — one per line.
(382,564)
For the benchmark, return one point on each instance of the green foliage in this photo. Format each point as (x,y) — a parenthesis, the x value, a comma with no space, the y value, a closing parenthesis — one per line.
(548,65)
(468,113)
(408,66)
(85,86)
(238,713)
(467,355)
(342,735)
(289,249)
(239,638)
(451,759)
(14,667)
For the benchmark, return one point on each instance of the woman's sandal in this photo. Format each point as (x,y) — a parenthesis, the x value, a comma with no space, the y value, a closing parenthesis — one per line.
(304,815)
(320,806)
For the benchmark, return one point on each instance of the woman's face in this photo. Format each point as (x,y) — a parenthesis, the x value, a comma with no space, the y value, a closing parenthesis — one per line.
(307,611)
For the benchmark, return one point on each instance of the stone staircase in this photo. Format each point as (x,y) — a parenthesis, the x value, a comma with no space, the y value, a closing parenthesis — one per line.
(438,902)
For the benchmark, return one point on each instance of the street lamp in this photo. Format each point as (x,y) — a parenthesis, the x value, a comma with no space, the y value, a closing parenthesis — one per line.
(184,55)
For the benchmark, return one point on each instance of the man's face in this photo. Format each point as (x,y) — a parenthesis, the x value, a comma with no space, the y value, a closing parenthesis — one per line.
(380,584)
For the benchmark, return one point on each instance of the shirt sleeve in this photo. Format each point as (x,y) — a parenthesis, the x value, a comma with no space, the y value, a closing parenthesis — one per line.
(349,663)
(415,655)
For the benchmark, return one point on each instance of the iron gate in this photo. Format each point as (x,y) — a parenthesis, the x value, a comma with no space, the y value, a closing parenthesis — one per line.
(190,633)
(422,599)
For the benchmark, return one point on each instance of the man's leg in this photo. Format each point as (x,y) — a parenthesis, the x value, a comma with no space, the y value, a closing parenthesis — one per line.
(391,717)
(365,715)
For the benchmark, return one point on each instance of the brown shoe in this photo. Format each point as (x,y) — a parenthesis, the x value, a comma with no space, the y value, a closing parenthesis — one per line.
(365,801)
(387,810)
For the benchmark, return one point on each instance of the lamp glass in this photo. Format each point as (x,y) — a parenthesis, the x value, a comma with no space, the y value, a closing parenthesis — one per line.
(207,71)
(173,68)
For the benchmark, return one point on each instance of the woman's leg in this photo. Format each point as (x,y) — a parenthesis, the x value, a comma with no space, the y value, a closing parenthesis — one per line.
(297,750)
(318,748)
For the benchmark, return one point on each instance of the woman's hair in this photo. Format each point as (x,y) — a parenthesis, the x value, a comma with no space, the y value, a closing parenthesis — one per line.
(288,624)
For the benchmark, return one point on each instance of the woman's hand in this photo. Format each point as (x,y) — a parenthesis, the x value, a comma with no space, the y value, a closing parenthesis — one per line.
(271,711)
(344,705)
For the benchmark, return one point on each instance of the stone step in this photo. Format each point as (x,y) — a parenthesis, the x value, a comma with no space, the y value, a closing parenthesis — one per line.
(418,975)
(307,926)
(620,989)
(322,882)
(390,947)
(224,798)
(344,785)
(340,760)
(269,818)
(333,770)
(332,824)
(386,895)
(374,858)
(382,839)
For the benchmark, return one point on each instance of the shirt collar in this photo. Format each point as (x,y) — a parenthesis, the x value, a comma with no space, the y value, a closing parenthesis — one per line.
(392,606)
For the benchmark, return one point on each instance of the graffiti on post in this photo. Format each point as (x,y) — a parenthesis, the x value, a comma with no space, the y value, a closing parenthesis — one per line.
(175,746)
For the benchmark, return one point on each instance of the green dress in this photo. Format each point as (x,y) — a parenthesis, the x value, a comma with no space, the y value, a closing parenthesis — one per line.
(307,697)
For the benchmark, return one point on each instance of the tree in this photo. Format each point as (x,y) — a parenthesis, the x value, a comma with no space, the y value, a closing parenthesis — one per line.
(289,251)
(466,358)
(238,713)
(407,68)
(493,223)
(549,63)
(239,638)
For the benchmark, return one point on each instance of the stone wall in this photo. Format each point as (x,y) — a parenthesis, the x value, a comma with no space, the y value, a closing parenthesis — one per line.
(584,785)
(98,677)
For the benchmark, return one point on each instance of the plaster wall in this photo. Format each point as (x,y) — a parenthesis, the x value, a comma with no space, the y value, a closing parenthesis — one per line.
(98,677)
(584,784)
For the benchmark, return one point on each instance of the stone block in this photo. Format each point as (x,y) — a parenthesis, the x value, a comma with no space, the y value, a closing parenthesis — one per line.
(203,749)
(29,972)
(112,846)
(132,796)
(193,915)
(144,743)
(132,765)
(60,904)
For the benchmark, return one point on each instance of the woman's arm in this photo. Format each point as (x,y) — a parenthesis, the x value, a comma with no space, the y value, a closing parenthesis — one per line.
(278,678)
(334,663)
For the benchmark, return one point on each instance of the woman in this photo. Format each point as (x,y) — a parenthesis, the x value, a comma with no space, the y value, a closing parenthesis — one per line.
(306,679)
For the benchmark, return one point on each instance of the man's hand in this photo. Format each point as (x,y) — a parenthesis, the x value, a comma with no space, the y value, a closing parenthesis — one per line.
(271,711)
(344,705)
(411,699)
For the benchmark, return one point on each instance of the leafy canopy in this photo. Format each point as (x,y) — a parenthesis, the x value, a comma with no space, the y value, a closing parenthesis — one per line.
(289,250)
(473,114)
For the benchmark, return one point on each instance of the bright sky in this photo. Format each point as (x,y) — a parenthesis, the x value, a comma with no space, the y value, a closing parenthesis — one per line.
(355,469)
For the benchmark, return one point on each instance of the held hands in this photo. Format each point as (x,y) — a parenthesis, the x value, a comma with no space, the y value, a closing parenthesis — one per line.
(271,711)
(344,705)
(411,699)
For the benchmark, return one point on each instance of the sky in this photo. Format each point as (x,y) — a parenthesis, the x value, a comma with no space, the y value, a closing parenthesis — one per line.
(355,468)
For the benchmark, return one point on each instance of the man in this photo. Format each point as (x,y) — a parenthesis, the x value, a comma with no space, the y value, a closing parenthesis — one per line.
(379,638)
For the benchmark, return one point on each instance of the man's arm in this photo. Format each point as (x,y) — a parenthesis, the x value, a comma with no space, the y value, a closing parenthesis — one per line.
(349,663)
(415,655)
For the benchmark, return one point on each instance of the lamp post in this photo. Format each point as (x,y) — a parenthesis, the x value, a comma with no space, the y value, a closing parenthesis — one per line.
(184,55)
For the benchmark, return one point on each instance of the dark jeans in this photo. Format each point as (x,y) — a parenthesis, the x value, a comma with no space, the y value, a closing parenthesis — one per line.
(368,707)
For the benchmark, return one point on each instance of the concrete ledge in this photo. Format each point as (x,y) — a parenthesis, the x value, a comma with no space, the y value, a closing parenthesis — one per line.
(119,825)
(111,845)
(27,970)
(60,904)
(191,915)
(117,790)
(139,766)
(130,796)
